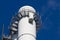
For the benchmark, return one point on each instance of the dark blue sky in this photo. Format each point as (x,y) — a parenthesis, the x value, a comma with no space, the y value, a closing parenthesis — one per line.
(49,11)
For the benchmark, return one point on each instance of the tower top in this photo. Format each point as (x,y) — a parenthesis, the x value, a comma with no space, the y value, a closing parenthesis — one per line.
(27,8)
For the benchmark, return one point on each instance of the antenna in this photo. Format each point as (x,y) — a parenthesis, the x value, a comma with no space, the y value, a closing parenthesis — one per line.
(2,31)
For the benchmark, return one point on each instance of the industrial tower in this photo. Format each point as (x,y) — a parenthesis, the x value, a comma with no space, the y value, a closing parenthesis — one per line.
(24,25)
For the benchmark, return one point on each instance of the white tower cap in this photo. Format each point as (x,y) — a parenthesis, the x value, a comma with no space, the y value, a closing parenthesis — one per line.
(27,8)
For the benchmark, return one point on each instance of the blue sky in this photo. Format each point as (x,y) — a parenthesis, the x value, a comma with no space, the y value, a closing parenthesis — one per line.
(49,11)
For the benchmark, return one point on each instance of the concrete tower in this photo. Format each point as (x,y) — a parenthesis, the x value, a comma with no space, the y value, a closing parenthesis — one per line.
(27,24)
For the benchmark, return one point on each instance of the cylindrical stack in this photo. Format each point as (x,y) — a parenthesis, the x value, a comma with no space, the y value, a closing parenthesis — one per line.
(27,25)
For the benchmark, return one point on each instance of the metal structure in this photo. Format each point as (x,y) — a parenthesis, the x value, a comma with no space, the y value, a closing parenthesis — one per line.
(24,25)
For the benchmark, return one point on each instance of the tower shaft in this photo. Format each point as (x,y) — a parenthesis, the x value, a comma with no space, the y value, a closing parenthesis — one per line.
(26,30)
